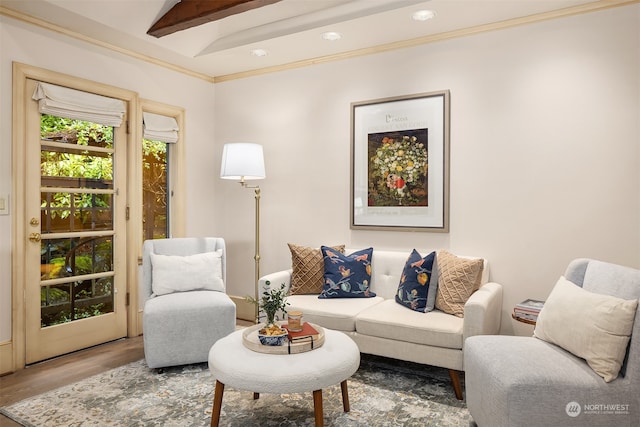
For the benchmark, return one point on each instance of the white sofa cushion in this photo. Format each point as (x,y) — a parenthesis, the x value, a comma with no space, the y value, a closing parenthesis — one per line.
(386,270)
(335,313)
(394,321)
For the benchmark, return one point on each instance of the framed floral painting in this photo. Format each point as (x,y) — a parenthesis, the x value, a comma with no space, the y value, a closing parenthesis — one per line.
(400,163)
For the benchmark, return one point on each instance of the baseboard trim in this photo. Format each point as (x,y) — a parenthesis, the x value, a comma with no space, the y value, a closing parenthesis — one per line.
(6,357)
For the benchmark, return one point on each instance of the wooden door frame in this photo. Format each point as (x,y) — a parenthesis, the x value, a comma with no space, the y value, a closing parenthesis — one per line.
(177,186)
(22,72)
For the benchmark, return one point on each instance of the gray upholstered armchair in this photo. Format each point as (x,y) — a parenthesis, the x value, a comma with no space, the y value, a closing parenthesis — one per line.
(186,307)
(529,381)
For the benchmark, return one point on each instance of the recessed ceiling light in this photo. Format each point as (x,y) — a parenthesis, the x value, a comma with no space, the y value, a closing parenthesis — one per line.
(331,35)
(423,15)
(259,52)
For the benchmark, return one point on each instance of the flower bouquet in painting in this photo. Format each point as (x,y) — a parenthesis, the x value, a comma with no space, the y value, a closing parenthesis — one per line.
(398,166)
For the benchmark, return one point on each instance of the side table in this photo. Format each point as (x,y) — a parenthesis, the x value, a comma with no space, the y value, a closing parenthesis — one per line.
(529,310)
(520,319)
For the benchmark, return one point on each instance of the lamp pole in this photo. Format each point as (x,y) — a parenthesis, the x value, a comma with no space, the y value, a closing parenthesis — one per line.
(245,161)
(256,255)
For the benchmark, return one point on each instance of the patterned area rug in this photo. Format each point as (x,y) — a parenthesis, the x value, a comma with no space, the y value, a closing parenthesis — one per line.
(383,392)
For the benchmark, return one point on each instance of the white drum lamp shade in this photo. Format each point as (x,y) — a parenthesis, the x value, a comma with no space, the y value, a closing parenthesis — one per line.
(242,161)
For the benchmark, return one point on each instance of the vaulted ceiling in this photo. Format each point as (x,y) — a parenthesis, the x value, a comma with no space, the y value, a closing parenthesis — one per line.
(214,39)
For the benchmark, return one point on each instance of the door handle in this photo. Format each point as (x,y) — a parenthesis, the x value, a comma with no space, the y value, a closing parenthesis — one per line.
(34,237)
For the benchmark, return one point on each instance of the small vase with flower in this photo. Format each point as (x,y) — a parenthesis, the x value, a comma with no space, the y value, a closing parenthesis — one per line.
(272,301)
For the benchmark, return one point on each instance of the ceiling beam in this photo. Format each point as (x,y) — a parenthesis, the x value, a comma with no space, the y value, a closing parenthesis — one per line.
(191,13)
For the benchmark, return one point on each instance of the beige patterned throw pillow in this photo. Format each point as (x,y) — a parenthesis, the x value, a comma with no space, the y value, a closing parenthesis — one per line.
(308,269)
(458,278)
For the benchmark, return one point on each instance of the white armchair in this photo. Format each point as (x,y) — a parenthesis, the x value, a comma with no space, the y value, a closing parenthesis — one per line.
(186,307)
(527,381)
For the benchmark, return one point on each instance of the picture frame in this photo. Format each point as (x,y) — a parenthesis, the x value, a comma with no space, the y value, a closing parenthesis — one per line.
(400,163)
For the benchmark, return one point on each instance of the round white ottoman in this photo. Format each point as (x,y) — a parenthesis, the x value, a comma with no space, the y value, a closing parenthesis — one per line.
(234,365)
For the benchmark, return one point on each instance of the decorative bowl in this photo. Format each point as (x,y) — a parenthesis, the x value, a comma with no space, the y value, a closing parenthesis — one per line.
(277,336)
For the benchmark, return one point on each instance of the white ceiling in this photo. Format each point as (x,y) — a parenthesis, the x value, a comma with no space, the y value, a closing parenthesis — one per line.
(289,30)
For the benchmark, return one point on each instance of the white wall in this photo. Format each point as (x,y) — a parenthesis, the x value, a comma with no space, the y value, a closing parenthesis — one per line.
(545,146)
(545,151)
(30,45)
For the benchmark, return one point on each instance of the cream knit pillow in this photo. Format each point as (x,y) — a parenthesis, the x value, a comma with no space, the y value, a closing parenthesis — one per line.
(592,326)
(458,278)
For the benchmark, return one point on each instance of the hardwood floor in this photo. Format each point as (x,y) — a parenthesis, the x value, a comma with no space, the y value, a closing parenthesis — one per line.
(50,374)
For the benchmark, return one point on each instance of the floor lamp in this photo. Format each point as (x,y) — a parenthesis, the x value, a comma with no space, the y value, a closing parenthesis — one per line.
(243,161)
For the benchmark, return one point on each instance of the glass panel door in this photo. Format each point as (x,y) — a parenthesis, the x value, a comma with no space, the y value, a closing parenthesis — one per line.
(79,234)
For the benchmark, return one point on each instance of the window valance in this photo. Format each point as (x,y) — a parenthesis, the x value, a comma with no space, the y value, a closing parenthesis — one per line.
(75,104)
(160,128)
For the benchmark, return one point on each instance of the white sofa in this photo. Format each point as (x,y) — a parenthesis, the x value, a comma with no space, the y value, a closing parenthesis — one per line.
(381,326)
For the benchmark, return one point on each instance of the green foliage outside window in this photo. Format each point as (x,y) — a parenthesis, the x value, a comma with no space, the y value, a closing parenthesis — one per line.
(89,165)
(69,130)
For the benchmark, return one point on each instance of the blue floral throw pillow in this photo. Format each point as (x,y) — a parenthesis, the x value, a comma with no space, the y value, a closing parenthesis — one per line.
(414,282)
(346,276)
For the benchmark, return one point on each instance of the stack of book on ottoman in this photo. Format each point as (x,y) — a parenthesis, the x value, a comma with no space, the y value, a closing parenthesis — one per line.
(528,310)
(306,332)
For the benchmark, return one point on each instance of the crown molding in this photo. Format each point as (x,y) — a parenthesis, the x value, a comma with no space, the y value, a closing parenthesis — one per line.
(61,30)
